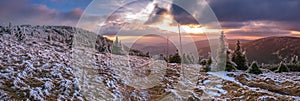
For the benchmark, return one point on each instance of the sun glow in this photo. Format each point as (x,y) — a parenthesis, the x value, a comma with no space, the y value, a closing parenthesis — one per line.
(295,32)
(194,29)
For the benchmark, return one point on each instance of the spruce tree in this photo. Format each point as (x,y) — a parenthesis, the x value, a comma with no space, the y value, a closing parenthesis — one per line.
(175,58)
(223,60)
(254,69)
(187,59)
(220,62)
(282,68)
(294,60)
(207,65)
(184,59)
(49,38)
(190,59)
(117,47)
(147,54)
(230,66)
(239,58)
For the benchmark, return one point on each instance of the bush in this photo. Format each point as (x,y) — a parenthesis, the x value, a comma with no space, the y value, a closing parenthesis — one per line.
(206,64)
(175,58)
(282,68)
(254,69)
(230,66)
(294,67)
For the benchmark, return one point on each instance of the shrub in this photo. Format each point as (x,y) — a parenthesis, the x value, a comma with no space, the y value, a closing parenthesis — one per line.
(254,69)
(282,68)
(206,64)
(294,67)
(175,58)
(230,66)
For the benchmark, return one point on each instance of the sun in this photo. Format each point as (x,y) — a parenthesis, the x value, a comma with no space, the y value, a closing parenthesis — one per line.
(193,29)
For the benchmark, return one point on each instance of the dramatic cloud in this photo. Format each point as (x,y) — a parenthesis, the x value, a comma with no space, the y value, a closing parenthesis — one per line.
(248,10)
(36,14)
(156,15)
(181,16)
(238,18)
(257,17)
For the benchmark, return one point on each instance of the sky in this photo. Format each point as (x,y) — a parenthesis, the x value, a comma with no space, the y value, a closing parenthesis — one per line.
(239,19)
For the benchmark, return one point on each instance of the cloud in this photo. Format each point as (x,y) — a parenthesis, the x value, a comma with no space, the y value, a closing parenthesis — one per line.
(256,28)
(257,18)
(37,14)
(75,14)
(181,16)
(156,15)
(248,10)
(8,6)
(227,24)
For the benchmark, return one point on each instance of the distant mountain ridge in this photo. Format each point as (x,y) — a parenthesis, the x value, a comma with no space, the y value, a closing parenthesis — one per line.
(272,49)
(267,50)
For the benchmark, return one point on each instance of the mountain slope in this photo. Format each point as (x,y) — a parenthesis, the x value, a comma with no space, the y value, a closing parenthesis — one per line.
(272,49)
(60,36)
(36,62)
(267,50)
(41,65)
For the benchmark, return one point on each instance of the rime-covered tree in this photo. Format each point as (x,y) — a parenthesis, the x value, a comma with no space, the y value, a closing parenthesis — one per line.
(190,58)
(254,69)
(294,60)
(161,57)
(175,58)
(186,58)
(116,47)
(282,68)
(239,57)
(294,64)
(223,60)
(49,38)
(206,63)
(220,62)
(230,65)
(147,54)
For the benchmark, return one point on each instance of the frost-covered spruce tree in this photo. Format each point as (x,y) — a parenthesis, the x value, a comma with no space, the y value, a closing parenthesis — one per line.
(239,57)
(184,59)
(175,58)
(220,62)
(294,60)
(187,59)
(294,64)
(117,47)
(223,60)
(254,69)
(208,65)
(230,66)
(282,68)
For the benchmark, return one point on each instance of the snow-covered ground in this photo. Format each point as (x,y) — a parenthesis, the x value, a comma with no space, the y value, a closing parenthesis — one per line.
(35,68)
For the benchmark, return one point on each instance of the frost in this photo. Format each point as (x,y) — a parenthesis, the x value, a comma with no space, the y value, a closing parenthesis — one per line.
(264,98)
(36,93)
(224,76)
(48,85)
(42,69)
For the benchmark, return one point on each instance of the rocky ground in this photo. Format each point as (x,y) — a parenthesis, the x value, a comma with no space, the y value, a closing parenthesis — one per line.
(34,68)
